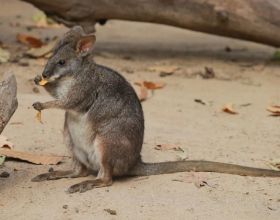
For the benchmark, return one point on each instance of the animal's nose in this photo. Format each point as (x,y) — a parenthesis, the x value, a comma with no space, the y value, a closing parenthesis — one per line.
(45,74)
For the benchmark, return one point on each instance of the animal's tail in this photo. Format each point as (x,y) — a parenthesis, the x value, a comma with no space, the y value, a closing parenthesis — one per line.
(147,169)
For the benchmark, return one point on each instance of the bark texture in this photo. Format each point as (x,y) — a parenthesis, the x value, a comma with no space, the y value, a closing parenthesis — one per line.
(253,20)
(8,99)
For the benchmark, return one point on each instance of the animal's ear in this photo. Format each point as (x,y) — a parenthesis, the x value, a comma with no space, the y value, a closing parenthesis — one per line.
(85,44)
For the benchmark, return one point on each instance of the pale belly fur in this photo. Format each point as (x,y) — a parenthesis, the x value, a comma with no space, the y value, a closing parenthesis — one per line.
(85,149)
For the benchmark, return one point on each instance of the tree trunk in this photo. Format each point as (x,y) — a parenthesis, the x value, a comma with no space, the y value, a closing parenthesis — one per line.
(253,20)
(8,100)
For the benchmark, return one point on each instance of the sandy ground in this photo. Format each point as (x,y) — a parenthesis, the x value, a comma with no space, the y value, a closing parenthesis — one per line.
(244,75)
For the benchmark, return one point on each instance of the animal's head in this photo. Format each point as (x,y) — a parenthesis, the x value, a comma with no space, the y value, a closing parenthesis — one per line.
(68,55)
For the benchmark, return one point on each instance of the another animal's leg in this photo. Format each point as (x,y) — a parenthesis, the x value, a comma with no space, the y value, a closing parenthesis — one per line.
(79,170)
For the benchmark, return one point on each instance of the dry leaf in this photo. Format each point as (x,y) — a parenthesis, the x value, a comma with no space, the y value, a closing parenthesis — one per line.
(209,73)
(198,179)
(144,85)
(182,156)
(200,182)
(43,51)
(39,117)
(29,40)
(111,211)
(228,108)
(245,104)
(138,83)
(274,109)
(4,174)
(42,21)
(2,160)
(164,69)
(5,143)
(164,147)
(4,56)
(200,101)
(143,93)
(32,158)
(275,165)
(153,85)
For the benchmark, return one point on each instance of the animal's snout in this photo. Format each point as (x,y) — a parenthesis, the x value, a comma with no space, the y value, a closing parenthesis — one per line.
(46,74)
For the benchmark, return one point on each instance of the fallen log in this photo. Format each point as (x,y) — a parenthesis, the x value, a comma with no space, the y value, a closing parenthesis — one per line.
(8,99)
(253,20)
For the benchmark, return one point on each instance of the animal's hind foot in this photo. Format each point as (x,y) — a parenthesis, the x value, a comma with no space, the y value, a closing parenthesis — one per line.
(88,185)
(55,175)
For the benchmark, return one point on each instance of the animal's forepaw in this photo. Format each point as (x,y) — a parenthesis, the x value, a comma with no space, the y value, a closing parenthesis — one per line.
(38,106)
(37,79)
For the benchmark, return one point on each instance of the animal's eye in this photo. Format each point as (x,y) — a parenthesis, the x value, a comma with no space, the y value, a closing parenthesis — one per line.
(61,62)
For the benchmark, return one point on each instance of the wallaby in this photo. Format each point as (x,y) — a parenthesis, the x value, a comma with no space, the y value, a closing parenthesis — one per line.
(104,122)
